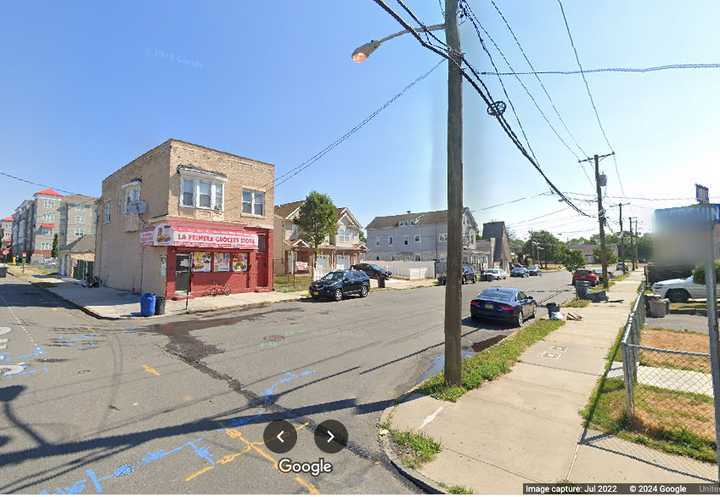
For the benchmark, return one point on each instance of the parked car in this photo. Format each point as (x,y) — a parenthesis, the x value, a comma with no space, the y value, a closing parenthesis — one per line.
(680,290)
(585,275)
(468,275)
(520,272)
(338,284)
(372,270)
(493,274)
(621,266)
(503,304)
(534,270)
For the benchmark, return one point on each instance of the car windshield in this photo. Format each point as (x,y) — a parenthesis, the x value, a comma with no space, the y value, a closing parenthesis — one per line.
(334,276)
(498,294)
(376,267)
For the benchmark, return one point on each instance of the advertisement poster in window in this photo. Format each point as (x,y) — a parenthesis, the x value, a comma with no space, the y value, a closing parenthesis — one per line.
(240,263)
(201,262)
(222,262)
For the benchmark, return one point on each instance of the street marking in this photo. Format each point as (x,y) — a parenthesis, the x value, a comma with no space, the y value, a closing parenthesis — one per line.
(4,340)
(151,370)
(199,472)
(4,330)
(429,419)
(310,488)
(11,369)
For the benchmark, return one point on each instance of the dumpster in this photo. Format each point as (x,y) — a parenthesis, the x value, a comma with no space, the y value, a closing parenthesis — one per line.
(3,271)
(552,307)
(159,305)
(581,289)
(147,305)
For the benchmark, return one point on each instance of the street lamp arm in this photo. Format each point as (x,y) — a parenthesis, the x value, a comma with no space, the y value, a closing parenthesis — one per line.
(424,29)
(361,53)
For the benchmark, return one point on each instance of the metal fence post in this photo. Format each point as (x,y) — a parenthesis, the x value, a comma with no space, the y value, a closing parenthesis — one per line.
(628,378)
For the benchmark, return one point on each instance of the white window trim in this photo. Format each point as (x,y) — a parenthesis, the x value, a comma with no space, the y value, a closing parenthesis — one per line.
(252,202)
(205,178)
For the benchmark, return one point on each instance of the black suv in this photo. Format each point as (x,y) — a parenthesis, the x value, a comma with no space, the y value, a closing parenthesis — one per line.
(372,270)
(468,275)
(337,284)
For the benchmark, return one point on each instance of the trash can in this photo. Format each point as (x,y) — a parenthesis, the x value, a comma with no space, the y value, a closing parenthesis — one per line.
(381,282)
(3,271)
(159,305)
(657,307)
(581,289)
(147,305)
(552,307)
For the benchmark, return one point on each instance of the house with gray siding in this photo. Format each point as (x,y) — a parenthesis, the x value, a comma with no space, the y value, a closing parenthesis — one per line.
(422,236)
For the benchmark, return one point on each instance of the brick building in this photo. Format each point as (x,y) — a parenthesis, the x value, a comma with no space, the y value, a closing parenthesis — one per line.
(5,235)
(183,219)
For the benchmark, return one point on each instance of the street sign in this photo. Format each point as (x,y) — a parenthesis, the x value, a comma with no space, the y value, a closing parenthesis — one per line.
(692,214)
(702,194)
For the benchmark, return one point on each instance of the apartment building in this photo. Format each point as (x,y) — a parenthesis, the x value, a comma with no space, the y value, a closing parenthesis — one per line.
(5,235)
(184,220)
(35,224)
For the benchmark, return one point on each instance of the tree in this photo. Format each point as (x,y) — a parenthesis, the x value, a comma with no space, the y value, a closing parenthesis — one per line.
(611,256)
(363,238)
(699,273)
(572,260)
(317,220)
(644,247)
(54,252)
(549,247)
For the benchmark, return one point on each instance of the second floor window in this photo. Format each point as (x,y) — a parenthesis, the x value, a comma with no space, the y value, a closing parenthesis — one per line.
(417,238)
(79,219)
(106,213)
(131,196)
(253,202)
(79,232)
(201,193)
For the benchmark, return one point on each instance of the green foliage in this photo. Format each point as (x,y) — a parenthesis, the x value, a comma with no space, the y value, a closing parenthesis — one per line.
(550,247)
(572,260)
(54,252)
(317,219)
(415,448)
(611,256)
(363,238)
(491,362)
(699,273)
(644,246)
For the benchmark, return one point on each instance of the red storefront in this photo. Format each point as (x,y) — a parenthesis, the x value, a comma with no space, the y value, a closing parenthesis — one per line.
(210,258)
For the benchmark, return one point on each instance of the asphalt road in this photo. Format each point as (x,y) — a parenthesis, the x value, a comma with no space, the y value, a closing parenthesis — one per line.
(178,405)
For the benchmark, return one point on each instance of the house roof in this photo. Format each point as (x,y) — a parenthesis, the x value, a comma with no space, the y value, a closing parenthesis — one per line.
(7,218)
(284,210)
(429,217)
(79,199)
(83,244)
(497,230)
(48,192)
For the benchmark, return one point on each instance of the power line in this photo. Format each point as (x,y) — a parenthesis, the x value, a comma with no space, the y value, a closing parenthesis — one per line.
(639,70)
(537,217)
(479,86)
(319,155)
(542,85)
(35,183)
(511,202)
(589,93)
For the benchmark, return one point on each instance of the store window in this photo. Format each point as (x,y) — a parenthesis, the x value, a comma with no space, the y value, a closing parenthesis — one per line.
(240,263)
(222,262)
(253,202)
(202,262)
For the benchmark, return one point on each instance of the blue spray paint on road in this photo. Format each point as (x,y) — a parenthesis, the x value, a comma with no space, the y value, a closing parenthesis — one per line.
(287,377)
(94,483)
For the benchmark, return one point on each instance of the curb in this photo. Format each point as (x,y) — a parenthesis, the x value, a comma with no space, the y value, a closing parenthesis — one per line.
(425,484)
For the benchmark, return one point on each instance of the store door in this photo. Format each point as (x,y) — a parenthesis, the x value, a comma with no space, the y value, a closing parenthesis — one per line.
(182,272)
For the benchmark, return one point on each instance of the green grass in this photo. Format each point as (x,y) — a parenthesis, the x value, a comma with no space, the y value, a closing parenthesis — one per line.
(415,449)
(290,283)
(576,303)
(457,489)
(491,362)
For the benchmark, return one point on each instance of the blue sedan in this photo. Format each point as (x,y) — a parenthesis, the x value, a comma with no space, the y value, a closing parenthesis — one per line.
(503,304)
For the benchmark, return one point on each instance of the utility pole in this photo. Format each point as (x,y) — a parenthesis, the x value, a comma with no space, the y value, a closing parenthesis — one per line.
(621,254)
(636,259)
(633,241)
(453,288)
(601,214)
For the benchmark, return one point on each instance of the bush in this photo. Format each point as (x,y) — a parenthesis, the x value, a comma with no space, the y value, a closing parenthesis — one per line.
(699,273)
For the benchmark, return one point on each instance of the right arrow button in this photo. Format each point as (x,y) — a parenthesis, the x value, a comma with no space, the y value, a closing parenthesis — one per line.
(331,436)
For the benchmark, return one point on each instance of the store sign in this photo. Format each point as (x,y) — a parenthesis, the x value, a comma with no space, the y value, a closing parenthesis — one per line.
(301,266)
(183,236)
(688,216)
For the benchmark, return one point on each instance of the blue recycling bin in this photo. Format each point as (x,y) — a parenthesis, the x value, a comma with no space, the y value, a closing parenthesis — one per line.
(147,304)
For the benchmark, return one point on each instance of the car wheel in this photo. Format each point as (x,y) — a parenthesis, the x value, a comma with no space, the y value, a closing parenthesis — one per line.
(677,295)
(364,291)
(519,320)
(338,295)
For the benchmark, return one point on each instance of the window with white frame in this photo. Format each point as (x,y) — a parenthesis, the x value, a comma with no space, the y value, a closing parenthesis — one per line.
(442,237)
(131,195)
(106,212)
(201,193)
(79,232)
(253,202)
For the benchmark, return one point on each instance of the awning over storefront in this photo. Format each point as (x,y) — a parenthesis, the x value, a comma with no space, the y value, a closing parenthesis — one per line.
(179,234)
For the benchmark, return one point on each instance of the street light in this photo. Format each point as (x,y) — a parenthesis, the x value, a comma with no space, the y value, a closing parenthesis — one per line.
(361,53)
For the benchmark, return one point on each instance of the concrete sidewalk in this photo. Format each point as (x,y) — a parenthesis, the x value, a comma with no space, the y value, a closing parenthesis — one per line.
(525,426)
(109,303)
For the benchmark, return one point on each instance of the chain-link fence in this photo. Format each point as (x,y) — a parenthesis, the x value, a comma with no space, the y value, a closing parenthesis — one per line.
(667,382)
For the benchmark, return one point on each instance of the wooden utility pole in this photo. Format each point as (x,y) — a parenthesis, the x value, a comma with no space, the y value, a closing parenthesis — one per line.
(633,242)
(453,288)
(601,214)
(621,254)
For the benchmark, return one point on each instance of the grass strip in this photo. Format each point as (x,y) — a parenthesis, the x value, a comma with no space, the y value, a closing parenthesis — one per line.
(491,362)
(576,303)
(457,489)
(414,448)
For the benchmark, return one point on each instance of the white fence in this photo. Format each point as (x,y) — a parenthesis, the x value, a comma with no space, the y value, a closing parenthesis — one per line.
(408,270)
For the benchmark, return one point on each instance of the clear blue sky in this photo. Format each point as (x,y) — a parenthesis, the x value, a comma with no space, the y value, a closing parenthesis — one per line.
(88,86)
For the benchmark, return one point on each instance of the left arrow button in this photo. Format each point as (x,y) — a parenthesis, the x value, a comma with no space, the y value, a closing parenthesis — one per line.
(280,436)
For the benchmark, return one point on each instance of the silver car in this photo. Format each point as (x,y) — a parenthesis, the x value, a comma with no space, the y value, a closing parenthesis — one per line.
(493,274)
